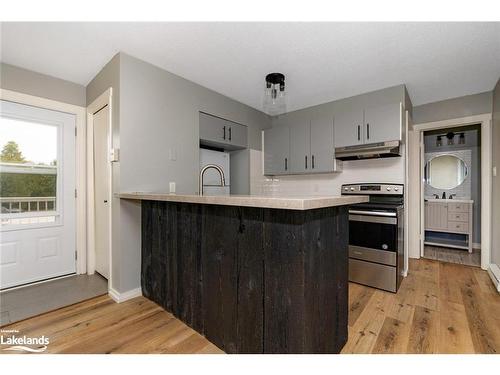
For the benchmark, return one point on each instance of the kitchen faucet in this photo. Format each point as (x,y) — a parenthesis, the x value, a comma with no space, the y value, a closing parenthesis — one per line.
(202,173)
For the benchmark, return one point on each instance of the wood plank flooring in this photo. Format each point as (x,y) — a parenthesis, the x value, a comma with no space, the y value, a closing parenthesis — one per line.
(450,255)
(440,308)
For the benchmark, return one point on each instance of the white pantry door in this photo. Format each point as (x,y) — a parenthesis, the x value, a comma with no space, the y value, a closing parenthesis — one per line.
(102,191)
(37,194)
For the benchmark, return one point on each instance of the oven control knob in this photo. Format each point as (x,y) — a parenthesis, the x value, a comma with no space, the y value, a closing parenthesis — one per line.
(388,189)
(352,189)
(396,189)
(346,188)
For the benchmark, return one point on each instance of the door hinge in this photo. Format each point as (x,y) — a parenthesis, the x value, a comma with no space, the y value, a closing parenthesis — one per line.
(76,255)
(76,194)
(76,130)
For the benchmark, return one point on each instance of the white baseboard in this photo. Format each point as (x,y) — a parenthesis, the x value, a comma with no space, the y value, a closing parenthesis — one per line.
(494,273)
(122,297)
(476,245)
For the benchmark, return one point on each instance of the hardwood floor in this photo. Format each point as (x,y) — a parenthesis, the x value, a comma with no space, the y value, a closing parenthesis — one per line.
(440,308)
(450,255)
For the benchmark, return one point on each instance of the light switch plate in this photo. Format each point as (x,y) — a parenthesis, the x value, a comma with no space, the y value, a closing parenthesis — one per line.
(114,154)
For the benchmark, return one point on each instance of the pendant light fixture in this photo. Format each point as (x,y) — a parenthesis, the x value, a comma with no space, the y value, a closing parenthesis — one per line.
(274,94)
(451,138)
(461,139)
(439,141)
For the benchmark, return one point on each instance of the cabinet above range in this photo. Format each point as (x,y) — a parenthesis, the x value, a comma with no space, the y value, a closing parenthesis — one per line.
(365,132)
(218,132)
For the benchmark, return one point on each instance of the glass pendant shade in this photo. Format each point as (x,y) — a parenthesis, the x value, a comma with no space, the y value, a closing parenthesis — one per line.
(274,101)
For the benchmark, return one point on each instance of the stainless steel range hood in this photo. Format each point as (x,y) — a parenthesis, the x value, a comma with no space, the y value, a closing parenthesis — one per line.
(369,151)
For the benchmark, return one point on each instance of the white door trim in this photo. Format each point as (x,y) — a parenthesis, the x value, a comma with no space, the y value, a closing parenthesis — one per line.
(79,112)
(105,99)
(486,175)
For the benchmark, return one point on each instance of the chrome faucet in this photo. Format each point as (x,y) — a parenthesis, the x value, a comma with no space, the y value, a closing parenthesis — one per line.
(202,173)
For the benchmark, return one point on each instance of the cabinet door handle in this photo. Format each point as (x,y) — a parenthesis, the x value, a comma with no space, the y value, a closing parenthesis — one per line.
(359,132)
(367,131)
(312,161)
(229,133)
(306,161)
(286,164)
(224,135)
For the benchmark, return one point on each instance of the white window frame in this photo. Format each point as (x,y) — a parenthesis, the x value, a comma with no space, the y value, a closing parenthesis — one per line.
(80,153)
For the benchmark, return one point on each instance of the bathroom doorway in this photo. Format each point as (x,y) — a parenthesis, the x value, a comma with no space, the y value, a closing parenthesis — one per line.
(451,176)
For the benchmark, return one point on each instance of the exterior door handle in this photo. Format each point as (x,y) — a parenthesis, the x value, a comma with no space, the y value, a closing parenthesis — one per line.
(367,131)
(229,133)
(224,135)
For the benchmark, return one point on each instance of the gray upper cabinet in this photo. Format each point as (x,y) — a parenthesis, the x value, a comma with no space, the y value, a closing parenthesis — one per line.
(236,134)
(300,144)
(349,129)
(322,140)
(303,143)
(368,125)
(383,123)
(216,131)
(276,150)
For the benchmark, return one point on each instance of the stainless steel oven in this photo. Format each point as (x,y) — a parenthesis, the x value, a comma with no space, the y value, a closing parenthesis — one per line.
(376,247)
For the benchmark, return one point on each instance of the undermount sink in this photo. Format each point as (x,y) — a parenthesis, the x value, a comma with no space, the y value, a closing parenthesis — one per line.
(456,200)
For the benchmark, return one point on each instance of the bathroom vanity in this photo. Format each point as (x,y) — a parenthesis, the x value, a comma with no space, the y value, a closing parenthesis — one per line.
(449,216)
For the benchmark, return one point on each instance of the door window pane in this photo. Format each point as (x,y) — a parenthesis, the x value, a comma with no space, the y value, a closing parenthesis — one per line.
(28,172)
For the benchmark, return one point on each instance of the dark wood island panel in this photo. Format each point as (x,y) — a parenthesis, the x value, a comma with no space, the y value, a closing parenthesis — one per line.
(252,280)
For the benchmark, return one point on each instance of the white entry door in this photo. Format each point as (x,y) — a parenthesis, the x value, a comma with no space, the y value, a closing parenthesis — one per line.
(102,190)
(37,194)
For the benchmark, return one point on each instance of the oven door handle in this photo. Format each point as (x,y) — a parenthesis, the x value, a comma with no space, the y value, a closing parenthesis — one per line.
(373,219)
(373,213)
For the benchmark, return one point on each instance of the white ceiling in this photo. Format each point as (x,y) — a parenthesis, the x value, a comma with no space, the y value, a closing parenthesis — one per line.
(322,61)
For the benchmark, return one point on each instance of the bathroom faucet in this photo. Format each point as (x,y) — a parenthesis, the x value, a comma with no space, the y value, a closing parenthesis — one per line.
(202,174)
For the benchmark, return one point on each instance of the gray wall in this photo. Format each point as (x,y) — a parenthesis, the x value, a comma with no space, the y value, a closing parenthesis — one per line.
(159,115)
(495,248)
(108,77)
(473,144)
(36,84)
(463,106)
(155,113)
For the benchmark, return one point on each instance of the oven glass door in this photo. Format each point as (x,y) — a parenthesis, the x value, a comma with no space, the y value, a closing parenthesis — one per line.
(374,232)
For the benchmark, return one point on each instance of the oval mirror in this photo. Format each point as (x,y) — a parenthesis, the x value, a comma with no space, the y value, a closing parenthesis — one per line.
(445,172)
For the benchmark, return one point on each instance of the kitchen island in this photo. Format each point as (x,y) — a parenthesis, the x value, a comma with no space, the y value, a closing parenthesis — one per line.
(252,274)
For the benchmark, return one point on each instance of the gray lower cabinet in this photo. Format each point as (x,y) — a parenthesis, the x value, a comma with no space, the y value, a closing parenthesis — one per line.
(276,150)
(216,131)
(374,124)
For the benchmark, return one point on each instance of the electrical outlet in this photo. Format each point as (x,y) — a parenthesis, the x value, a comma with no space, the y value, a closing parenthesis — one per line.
(172,187)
